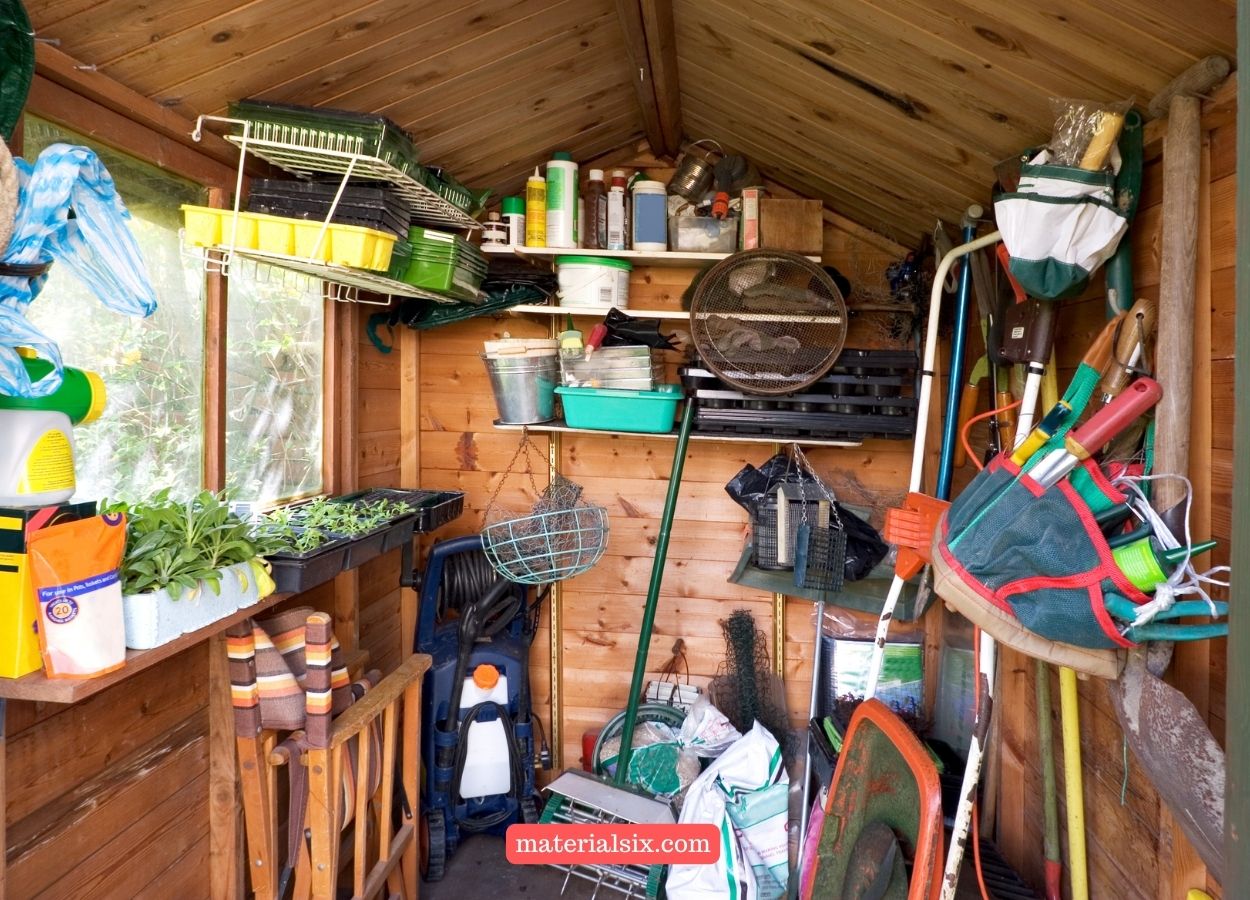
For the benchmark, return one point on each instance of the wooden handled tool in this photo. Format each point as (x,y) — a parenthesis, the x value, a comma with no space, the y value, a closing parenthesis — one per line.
(1130,348)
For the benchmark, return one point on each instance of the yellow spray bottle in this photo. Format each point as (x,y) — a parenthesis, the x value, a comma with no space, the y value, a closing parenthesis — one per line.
(536,210)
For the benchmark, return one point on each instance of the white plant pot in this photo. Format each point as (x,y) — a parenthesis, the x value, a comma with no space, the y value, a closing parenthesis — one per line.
(155,618)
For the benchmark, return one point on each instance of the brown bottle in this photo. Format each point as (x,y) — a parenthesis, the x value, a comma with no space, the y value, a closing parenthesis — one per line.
(596,198)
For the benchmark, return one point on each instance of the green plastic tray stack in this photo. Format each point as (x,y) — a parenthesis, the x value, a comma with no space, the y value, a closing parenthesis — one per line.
(444,262)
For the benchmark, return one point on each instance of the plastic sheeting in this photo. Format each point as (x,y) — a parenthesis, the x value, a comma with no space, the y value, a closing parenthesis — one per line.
(93,241)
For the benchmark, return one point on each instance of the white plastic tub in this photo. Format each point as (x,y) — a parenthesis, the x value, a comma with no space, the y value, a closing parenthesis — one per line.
(593,281)
(155,618)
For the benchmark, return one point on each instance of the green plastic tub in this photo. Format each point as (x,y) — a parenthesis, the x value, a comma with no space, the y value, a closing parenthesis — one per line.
(606,409)
(444,277)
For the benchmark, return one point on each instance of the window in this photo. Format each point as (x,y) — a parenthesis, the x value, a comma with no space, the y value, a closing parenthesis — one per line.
(274,386)
(151,434)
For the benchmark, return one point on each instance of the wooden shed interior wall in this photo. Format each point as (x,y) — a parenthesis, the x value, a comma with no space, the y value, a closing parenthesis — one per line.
(890,111)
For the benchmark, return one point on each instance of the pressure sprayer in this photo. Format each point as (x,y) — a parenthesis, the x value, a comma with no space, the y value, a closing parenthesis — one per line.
(37,455)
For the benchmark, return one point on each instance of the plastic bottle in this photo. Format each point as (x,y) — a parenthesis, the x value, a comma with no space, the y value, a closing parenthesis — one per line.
(514,217)
(81,395)
(618,213)
(561,201)
(494,231)
(596,223)
(36,457)
(536,210)
(486,767)
(650,231)
(580,230)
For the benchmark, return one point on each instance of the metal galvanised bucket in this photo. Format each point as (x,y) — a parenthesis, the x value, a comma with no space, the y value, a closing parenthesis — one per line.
(524,387)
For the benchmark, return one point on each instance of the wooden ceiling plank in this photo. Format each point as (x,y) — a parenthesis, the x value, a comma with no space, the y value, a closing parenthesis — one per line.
(1002,46)
(520,114)
(907,62)
(657,23)
(819,123)
(105,31)
(567,56)
(879,216)
(555,129)
(908,101)
(510,176)
(870,187)
(777,57)
(891,184)
(228,39)
(1197,27)
(383,75)
(630,15)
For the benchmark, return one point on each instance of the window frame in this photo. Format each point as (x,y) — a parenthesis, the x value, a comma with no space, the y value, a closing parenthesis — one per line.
(76,111)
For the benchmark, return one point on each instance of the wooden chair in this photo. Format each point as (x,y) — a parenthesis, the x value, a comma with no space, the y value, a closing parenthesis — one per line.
(341,771)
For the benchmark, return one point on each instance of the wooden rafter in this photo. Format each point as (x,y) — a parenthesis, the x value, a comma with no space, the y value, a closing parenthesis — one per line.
(651,45)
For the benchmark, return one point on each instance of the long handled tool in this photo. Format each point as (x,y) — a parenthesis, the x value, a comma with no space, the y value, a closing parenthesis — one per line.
(578,797)
(1167,734)
(922,428)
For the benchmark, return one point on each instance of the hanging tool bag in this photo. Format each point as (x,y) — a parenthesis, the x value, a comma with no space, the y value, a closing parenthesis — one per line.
(1059,225)
(1030,565)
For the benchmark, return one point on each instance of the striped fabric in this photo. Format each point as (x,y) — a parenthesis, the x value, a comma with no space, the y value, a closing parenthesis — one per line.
(282,668)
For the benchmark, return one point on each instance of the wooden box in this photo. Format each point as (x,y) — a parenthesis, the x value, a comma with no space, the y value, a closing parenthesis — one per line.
(796,225)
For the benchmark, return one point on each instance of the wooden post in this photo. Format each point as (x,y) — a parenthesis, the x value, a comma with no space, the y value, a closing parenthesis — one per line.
(1237,797)
(225,833)
(1181,170)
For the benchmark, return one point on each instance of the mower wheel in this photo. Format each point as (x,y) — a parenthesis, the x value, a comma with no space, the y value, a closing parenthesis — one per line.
(529,811)
(433,845)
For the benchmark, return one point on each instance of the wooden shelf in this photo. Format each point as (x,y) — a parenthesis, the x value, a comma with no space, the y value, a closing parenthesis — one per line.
(560,427)
(672,259)
(38,687)
(674,315)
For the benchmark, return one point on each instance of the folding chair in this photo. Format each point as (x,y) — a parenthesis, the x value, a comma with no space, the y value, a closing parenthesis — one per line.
(342,774)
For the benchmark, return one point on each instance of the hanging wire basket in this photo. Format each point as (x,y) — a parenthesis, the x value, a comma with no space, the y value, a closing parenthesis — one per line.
(562,535)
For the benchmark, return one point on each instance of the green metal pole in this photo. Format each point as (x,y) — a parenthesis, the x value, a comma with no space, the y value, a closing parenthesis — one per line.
(1237,791)
(653,593)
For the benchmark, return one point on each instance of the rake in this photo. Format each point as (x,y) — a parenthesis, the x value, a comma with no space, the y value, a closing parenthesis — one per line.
(579,798)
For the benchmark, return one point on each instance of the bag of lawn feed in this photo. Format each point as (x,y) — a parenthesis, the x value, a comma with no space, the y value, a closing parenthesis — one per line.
(744,793)
(74,568)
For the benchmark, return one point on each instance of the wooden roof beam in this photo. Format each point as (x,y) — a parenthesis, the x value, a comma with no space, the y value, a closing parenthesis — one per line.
(651,43)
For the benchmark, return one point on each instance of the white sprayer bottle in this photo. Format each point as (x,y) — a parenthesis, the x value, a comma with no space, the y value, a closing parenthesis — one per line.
(36,458)
(486,766)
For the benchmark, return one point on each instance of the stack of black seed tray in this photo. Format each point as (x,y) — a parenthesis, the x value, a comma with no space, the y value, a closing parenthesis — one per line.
(371,205)
(868,393)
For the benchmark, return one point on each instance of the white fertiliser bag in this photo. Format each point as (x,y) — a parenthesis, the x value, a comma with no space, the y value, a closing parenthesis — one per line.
(743,793)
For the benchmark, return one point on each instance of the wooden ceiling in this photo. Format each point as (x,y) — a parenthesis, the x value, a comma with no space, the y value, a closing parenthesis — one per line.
(891,111)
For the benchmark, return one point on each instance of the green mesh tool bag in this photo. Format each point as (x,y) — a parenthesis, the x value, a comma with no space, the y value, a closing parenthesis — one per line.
(1031,566)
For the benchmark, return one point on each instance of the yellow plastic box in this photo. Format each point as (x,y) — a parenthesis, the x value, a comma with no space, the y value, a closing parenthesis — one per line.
(203,225)
(275,234)
(361,248)
(306,234)
(241,236)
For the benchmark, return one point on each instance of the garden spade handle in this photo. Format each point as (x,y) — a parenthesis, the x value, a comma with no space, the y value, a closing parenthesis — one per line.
(653,594)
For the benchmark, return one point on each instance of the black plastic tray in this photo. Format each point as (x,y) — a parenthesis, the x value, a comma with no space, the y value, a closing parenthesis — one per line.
(295,574)
(344,214)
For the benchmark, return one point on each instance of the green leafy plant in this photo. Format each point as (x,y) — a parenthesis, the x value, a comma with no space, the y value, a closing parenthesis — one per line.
(177,545)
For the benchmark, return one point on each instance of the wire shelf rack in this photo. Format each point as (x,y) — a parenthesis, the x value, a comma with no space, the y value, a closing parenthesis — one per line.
(425,205)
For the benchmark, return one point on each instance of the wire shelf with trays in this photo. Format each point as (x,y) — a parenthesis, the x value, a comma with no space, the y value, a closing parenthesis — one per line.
(339,283)
(344,159)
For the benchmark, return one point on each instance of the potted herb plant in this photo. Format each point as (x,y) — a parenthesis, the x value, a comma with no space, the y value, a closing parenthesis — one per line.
(188,564)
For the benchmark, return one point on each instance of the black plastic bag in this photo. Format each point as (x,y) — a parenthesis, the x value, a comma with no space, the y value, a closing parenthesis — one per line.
(624,330)
(864,546)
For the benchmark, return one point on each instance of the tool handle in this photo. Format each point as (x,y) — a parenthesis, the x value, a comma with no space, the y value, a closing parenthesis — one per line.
(1113,418)
(1099,353)
(967,405)
(1138,325)
(1004,259)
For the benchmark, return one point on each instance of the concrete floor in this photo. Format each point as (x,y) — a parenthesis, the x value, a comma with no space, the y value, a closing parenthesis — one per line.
(480,869)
